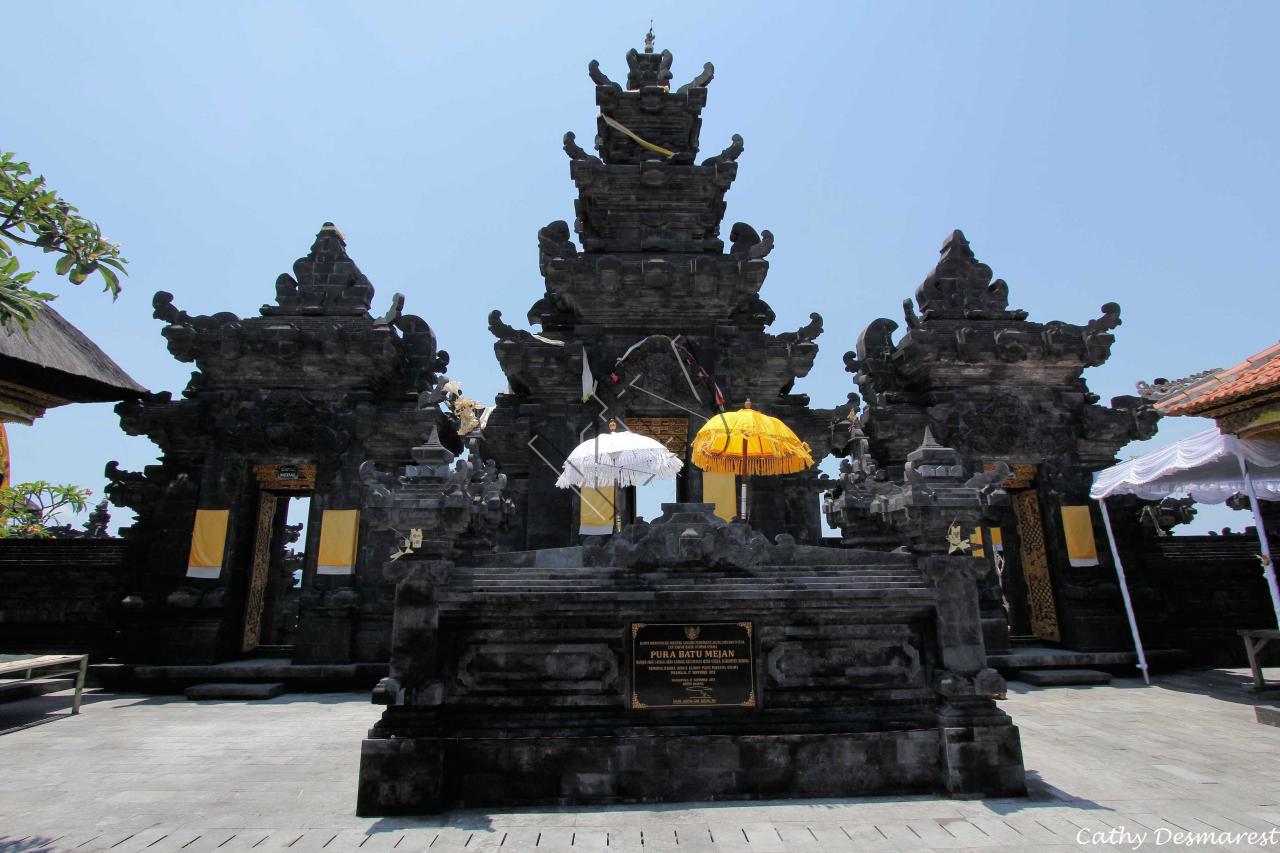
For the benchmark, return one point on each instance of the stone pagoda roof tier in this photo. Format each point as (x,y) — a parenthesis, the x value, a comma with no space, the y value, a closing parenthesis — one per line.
(655,205)
(965,335)
(319,336)
(649,109)
(986,380)
(682,292)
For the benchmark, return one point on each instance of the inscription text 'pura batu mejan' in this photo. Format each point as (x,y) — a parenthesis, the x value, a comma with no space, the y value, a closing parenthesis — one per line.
(699,665)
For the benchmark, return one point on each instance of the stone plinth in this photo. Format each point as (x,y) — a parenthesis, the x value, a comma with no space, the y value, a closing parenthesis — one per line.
(512,676)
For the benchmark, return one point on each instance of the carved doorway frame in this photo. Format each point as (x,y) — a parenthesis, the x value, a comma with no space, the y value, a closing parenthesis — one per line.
(275,480)
(672,432)
(1032,553)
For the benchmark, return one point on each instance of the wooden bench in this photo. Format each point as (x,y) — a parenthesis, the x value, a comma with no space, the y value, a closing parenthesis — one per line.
(78,666)
(1254,642)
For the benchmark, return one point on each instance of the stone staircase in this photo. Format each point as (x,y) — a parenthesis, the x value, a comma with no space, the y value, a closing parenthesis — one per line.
(872,580)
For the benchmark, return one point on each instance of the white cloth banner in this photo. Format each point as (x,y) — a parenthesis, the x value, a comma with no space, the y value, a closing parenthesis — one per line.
(1204,467)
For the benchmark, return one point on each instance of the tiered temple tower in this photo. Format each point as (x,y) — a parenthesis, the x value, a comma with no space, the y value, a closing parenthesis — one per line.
(650,318)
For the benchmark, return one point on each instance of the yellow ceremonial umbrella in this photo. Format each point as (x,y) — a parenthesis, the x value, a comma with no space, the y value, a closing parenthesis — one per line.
(748,442)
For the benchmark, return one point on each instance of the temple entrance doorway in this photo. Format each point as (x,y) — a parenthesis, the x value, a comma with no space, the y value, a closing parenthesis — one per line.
(278,557)
(645,501)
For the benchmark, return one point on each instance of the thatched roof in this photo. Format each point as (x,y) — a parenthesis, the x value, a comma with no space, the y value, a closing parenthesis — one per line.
(56,358)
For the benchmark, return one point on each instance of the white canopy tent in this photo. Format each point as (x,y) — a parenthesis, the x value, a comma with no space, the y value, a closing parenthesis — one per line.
(1209,467)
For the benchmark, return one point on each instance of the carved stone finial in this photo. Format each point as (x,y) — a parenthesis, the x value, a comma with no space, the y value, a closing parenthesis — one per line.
(960,286)
(599,77)
(574,150)
(325,281)
(729,154)
(747,245)
(701,81)
(648,38)
(648,69)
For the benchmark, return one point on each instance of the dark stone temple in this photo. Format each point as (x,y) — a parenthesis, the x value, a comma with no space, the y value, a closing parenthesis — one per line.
(284,405)
(691,658)
(1000,388)
(717,652)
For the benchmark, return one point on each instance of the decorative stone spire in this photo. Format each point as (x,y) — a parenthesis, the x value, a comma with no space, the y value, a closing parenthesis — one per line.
(326,281)
(648,68)
(648,38)
(960,286)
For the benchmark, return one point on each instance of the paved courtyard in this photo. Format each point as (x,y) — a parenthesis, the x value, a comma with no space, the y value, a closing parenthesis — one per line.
(1143,767)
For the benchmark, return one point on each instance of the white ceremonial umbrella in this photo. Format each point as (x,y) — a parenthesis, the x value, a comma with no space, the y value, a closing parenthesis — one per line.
(618,459)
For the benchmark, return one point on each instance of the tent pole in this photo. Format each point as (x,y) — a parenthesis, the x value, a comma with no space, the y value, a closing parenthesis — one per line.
(1124,590)
(1268,568)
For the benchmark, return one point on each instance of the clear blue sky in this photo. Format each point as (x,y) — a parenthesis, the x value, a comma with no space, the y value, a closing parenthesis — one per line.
(1091,151)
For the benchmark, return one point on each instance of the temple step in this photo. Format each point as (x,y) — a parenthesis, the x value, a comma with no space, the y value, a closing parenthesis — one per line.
(1063,677)
(269,652)
(236,690)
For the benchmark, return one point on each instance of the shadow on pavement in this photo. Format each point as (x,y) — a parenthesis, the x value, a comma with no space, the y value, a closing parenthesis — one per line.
(48,708)
(17,844)
(1227,685)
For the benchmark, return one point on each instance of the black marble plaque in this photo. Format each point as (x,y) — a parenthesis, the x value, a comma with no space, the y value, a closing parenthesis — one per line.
(692,665)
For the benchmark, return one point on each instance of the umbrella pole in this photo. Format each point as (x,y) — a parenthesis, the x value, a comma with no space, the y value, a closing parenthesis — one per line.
(1124,590)
(1268,568)
(746,516)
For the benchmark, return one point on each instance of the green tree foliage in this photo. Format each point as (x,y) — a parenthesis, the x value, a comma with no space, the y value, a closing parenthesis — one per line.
(33,215)
(28,510)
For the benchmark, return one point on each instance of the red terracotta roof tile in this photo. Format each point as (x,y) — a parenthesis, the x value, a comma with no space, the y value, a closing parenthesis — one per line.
(1255,375)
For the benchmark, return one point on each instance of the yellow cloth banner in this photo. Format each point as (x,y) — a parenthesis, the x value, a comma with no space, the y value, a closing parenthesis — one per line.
(208,543)
(4,457)
(975,539)
(595,515)
(1077,526)
(979,550)
(721,490)
(339,529)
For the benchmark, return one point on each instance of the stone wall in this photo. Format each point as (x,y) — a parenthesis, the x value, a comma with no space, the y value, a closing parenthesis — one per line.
(60,594)
(1202,589)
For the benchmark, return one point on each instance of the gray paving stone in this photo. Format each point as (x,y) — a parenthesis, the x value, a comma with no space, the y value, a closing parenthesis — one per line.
(159,774)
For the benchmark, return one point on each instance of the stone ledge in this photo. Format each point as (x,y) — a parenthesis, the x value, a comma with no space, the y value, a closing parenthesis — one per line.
(1062,677)
(235,691)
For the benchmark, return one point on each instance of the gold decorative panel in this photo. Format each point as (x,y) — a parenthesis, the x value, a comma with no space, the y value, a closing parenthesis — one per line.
(1021,477)
(286,476)
(258,572)
(671,433)
(1035,565)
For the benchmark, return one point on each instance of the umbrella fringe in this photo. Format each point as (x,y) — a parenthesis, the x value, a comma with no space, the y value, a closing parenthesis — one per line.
(624,468)
(752,465)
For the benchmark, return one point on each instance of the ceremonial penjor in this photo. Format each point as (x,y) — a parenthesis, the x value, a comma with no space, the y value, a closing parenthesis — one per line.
(716,652)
